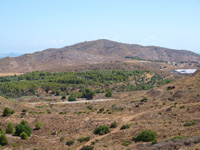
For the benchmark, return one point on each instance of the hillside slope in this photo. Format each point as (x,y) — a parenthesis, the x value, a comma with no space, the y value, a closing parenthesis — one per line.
(92,52)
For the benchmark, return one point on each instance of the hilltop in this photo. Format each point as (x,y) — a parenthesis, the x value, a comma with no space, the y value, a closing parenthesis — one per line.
(92,52)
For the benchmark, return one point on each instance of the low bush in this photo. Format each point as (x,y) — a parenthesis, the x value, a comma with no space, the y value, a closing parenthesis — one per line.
(24,110)
(70,142)
(10,128)
(146,136)
(72,97)
(125,126)
(1,131)
(108,93)
(3,140)
(84,139)
(88,147)
(102,130)
(154,142)
(101,110)
(7,112)
(24,136)
(62,139)
(178,137)
(113,125)
(63,97)
(38,125)
(145,99)
(126,143)
(182,107)
(90,107)
(23,128)
(23,122)
(187,124)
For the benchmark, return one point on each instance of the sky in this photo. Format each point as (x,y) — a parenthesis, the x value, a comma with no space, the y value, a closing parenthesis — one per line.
(27,26)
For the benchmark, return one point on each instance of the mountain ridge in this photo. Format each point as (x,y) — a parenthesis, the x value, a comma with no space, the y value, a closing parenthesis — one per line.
(91,52)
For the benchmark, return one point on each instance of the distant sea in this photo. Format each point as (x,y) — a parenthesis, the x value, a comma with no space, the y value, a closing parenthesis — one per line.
(3,55)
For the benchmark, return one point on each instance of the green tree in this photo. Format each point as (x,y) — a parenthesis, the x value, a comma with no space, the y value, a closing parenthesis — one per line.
(24,136)
(10,128)
(23,128)
(108,93)
(89,94)
(6,112)
(72,97)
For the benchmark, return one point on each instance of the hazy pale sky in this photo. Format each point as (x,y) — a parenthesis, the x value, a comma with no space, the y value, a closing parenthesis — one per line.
(33,25)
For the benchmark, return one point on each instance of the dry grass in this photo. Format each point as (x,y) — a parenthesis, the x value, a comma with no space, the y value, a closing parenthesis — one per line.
(9,74)
(79,121)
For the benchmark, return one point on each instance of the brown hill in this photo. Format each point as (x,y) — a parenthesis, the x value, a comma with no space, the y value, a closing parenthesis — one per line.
(92,52)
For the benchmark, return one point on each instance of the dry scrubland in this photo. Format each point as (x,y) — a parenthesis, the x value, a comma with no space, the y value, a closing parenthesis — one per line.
(166,111)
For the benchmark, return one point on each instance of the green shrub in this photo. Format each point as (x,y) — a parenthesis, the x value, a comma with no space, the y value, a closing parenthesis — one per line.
(38,125)
(24,136)
(72,97)
(88,147)
(126,143)
(10,128)
(109,93)
(101,110)
(187,124)
(24,110)
(16,144)
(145,99)
(182,107)
(1,131)
(3,140)
(125,126)
(23,122)
(84,139)
(178,137)
(63,97)
(102,130)
(146,136)
(93,143)
(88,94)
(7,112)
(23,128)
(90,107)
(154,142)
(113,125)
(70,142)
(62,139)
